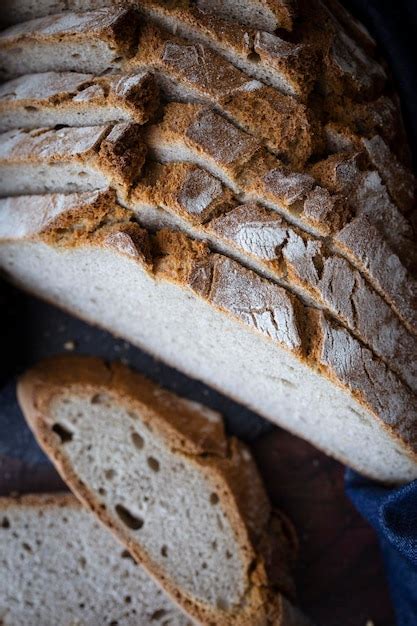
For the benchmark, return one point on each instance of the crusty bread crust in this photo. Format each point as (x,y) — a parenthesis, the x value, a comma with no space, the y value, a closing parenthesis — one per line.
(184,427)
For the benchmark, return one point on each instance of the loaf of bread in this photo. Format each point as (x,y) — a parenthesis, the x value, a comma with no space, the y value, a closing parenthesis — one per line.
(59,566)
(278,156)
(158,470)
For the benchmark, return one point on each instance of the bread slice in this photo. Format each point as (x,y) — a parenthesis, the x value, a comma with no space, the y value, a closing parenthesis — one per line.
(70,159)
(186,501)
(220,323)
(289,67)
(73,99)
(92,42)
(195,202)
(263,14)
(194,72)
(193,133)
(17,11)
(60,566)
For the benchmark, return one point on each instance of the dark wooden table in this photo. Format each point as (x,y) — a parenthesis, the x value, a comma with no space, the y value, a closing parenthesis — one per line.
(340,576)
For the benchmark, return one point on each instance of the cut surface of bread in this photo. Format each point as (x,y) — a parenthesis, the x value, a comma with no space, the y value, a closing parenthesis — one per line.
(92,42)
(303,371)
(72,99)
(159,471)
(70,158)
(59,566)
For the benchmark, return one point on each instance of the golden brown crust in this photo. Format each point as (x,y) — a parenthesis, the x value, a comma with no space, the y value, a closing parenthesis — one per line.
(43,500)
(183,188)
(185,429)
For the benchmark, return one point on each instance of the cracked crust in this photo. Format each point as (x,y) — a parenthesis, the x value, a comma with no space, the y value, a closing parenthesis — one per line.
(281,123)
(193,432)
(291,66)
(60,96)
(267,243)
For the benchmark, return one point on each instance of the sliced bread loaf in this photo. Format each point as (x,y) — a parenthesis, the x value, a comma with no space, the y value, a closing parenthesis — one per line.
(70,158)
(59,566)
(91,42)
(194,201)
(217,321)
(73,99)
(321,202)
(158,470)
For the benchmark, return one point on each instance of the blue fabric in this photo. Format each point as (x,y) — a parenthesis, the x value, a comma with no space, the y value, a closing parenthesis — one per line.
(393,514)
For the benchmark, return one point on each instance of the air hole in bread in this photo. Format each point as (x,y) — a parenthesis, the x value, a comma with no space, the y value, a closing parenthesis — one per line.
(214,498)
(220,523)
(137,441)
(118,59)
(157,615)
(128,599)
(81,605)
(75,55)
(100,398)
(204,566)
(126,555)
(153,464)
(254,57)
(228,554)
(63,433)
(26,547)
(102,491)
(164,551)
(288,383)
(82,174)
(31,109)
(109,474)
(82,561)
(128,519)
(5,523)
(222,604)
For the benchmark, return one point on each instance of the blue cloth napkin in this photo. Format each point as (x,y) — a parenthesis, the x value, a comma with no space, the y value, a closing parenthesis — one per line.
(393,514)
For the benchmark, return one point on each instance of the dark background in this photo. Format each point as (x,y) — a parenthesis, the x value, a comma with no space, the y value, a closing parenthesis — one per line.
(340,576)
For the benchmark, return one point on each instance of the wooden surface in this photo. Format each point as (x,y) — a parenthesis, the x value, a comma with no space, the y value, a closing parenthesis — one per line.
(340,577)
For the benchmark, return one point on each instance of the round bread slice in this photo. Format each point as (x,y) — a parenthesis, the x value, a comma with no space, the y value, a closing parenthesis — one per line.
(186,501)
